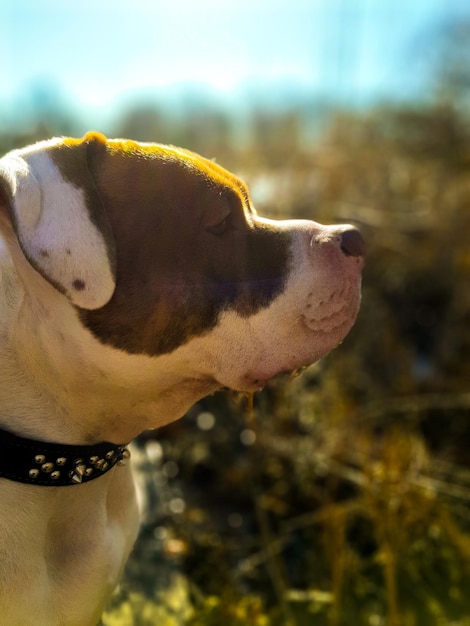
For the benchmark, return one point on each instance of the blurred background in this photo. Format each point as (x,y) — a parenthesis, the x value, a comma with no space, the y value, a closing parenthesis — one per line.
(340,498)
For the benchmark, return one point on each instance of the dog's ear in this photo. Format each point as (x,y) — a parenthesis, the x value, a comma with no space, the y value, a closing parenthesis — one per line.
(58,218)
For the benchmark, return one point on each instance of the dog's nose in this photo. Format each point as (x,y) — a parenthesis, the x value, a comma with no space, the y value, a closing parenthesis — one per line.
(352,243)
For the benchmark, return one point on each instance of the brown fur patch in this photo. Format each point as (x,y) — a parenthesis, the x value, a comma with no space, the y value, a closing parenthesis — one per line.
(175,276)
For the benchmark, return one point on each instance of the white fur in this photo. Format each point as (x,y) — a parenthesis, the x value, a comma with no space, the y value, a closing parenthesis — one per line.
(49,212)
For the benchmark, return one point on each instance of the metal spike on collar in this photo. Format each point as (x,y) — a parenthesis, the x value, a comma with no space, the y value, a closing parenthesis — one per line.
(75,477)
(124,456)
(77,474)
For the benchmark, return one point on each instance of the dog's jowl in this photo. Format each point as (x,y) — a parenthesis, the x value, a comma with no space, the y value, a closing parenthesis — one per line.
(134,280)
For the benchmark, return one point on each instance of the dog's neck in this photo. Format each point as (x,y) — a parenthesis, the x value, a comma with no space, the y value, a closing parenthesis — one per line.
(89,412)
(65,397)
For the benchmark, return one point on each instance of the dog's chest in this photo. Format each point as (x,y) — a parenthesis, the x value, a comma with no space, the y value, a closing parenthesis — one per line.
(71,556)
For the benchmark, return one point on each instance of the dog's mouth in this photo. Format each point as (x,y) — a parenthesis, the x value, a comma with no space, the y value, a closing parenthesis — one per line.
(316,343)
(299,340)
(283,376)
(253,383)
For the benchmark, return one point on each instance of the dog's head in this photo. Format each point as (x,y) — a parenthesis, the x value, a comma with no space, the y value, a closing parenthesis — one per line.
(160,253)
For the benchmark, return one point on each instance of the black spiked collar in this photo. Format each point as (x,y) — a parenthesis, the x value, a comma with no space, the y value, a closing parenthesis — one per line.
(54,464)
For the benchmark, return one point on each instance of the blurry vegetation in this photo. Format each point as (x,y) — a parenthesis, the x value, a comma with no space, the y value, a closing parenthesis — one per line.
(343,497)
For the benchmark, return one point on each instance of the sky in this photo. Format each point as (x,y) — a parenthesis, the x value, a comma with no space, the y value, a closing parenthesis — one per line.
(97,51)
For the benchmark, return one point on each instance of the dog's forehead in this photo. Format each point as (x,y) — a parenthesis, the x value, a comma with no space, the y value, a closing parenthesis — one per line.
(191,161)
(125,159)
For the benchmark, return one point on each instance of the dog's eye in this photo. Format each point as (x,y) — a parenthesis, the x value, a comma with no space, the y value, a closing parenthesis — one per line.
(219,228)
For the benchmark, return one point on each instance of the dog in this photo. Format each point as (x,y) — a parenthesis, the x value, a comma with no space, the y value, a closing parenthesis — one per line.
(135,279)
